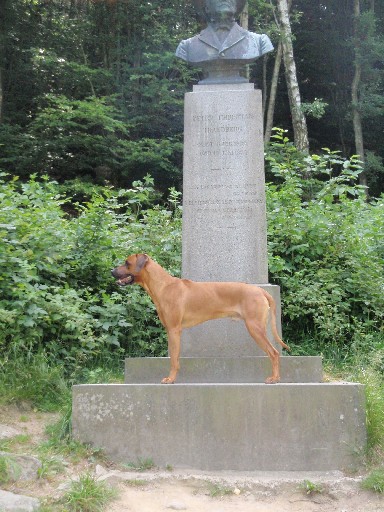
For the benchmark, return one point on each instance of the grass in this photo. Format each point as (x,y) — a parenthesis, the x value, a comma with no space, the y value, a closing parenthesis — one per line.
(374,393)
(10,470)
(50,466)
(4,470)
(136,482)
(61,443)
(375,481)
(88,495)
(10,443)
(35,380)
(218,490)
(310,488)
(141,465)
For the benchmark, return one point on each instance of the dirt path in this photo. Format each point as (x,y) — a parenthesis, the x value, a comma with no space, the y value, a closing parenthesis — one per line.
(271,493)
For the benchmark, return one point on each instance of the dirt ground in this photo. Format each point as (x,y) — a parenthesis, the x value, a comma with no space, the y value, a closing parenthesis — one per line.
(273,493)
(159,490)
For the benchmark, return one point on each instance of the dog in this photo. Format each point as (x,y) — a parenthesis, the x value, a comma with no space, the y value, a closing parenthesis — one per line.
(181,303)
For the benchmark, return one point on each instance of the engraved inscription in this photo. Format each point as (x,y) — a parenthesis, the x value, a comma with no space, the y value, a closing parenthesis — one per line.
(218,197)
(223,129)
(223,134)
(245,188)
(223,117)
(224,183)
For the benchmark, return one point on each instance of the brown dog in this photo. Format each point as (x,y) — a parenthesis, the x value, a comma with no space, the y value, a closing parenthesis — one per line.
(182,303)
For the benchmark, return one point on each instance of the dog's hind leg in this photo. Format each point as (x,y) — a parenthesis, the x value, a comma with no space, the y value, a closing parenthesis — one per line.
(259,334)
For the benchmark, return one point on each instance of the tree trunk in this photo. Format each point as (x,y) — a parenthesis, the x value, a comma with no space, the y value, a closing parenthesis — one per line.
(356,117)
(273,91)
(300,131)
(3,32)
(357,124)
(244,18)
(272,94)
(1,95)
(264,87)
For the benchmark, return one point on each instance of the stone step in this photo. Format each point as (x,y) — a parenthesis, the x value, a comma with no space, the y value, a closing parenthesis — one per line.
(150,370)
(250,427)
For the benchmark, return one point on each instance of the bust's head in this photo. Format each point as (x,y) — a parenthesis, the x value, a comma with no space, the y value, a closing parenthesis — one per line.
(211,9)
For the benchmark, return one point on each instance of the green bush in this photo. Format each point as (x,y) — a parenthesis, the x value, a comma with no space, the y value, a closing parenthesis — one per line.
(57,296)
(60,307)
(326,245)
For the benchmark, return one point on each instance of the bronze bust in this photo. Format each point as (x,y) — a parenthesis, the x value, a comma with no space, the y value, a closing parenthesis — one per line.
(224,47)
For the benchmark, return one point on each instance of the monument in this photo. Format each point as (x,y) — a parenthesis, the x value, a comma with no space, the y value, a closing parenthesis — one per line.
(220,415)
(224,214)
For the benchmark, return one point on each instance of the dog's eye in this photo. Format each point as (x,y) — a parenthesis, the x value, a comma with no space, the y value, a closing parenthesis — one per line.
(127,264)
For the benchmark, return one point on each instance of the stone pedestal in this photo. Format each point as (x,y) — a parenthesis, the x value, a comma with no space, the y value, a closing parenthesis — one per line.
(241,427)
(220,416)
(224,217)
(224,211)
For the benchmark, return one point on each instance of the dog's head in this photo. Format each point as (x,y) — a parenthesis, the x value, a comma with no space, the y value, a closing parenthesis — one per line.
(129,272)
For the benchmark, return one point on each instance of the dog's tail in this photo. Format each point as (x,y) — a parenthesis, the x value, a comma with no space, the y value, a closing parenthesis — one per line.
(272,309)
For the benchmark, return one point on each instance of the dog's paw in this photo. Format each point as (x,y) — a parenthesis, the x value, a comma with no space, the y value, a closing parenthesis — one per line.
(168,380)
(272,380)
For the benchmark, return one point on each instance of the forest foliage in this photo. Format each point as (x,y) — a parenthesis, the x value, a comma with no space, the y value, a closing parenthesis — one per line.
(92,89)
(326,251)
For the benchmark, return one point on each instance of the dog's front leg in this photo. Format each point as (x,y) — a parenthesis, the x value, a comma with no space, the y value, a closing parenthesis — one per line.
(174,354)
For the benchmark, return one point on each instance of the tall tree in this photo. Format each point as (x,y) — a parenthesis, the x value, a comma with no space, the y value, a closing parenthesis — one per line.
(357,121)
(75,69)
(273,94)
(300,131)
(3,36)
(326,48)
(273,89)
(368,49)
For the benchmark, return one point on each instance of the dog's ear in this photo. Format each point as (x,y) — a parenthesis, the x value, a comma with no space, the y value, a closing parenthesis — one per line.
(141,261)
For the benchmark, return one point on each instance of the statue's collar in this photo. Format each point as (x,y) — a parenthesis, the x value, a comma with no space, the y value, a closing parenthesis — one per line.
(235,35)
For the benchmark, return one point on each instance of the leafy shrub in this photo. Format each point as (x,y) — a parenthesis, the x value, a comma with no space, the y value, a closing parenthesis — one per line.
(57,296)
(326,246)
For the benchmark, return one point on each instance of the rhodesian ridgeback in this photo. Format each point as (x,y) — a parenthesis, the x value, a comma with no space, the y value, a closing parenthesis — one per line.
(181,303)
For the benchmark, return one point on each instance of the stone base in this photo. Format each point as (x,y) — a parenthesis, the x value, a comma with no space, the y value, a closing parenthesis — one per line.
(281,427)
(150,370)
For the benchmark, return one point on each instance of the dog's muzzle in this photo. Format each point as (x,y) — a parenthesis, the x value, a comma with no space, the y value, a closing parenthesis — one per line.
(123,281)
(129,279)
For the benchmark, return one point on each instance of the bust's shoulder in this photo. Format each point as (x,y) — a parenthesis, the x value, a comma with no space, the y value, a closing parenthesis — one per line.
(182,49)
(188,46)
(262,41)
